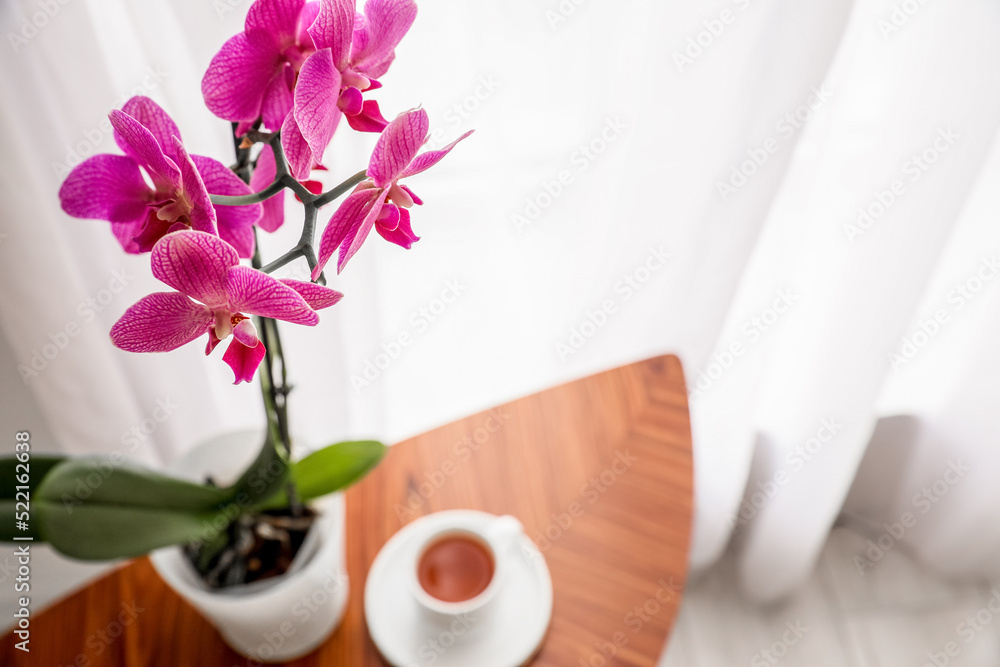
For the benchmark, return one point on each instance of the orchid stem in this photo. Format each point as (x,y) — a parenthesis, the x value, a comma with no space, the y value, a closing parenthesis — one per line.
(246,200)
(275,389)
(287,258)
(308,233)
(327,197)
(299,189)
(274,395)
(304,248)
(283,179)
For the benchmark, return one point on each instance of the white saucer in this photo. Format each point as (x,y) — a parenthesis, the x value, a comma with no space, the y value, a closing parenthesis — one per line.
(507,634)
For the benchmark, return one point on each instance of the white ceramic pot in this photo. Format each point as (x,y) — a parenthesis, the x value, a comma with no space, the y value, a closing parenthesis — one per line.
(278,619)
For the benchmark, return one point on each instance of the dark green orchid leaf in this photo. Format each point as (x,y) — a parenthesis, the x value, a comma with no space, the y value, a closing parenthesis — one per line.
(102,532)
(96,508)
(38,466)
(102,481)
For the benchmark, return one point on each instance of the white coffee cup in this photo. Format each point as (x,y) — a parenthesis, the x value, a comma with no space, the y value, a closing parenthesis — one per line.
(499,536)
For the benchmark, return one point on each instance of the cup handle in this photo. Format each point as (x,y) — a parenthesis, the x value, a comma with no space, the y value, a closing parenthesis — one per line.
(505,531)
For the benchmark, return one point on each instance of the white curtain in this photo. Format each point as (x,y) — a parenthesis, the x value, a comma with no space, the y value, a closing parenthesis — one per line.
(796,197)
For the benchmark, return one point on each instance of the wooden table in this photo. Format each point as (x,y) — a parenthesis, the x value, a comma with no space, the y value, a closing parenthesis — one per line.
(598,471)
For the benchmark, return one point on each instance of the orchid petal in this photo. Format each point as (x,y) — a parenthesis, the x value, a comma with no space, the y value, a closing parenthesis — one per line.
(308,15)
(160,322)
(350,101)
(195,263)
(274,18)
(362,233)
(145,236)
(244,360)
(397,146)
(126,232)
(352,79)
(106,187)
(254,292)
(246,333)
(243,127)
(315,187)
(153,118)
(273,214)
(386,22)
(399,196)
(213,341)
(202,213)
(413,195)
(235,222)
(223,324)
(317,296)
(238,76)
(277,100)
(315,106)
(334,29)
(144,148)
(296,149)
(349,214)
(403,234)
(388,218)
(369,119)
(425,161)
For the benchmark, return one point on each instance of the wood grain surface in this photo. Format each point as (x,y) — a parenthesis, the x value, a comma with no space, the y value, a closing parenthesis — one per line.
(597,470)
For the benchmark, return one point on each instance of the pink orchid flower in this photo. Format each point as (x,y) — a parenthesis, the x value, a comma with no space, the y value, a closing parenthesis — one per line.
(352,52)
(112,187)
(299,65)
(381,201)
(215,296)
(253,74)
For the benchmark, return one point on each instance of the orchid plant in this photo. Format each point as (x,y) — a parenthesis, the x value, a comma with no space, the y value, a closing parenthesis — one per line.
(283,84)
